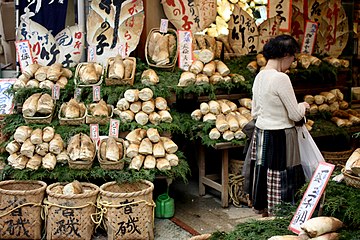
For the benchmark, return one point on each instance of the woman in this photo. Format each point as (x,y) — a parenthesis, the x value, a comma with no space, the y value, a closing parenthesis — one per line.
(273,170)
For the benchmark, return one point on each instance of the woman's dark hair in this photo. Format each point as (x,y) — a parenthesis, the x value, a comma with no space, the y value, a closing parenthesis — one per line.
(280,46)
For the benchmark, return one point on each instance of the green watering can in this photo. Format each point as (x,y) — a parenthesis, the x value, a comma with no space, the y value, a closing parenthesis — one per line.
(165,207)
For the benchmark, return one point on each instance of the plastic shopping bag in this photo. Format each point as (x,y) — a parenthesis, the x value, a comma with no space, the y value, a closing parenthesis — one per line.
(310,154)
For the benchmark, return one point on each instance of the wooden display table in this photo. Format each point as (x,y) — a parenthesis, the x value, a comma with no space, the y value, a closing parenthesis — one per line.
(210,180)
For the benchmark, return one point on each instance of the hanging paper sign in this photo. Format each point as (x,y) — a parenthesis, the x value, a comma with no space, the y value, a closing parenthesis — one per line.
(190,15)
(43,44)
(112,23)
(6,100)
(267,30)
(283,10)
(94,132)
(309,37)
(23,50)
(71,45)
(46,50)
(56,92)
(312,196)
(315,10)
(185,49)
(164,25)
(114,128)
(297,25)
(243,35)
(96,93)
(77,94)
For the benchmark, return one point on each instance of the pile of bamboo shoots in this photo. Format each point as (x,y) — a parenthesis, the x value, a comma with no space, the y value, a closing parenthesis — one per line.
(34,148)
(38,104)
(139,105)
(199,73)
(147,149)
(207,47)
(228,117)
(37,76)
(352,165)
(326,101)
(346,118)
(316,228)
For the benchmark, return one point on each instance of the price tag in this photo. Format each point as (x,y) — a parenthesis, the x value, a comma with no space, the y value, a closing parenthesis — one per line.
(24,53)
(56,92)
(164,25)
(122,50)
(77,94)
(94,132)
(185,49)
(312,196)
(96,93)
(114,128)
(91,54)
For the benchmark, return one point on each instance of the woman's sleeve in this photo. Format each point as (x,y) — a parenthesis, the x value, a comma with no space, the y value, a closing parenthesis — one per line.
(284,89)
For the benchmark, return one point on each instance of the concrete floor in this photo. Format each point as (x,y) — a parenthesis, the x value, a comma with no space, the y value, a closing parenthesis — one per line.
(205,214)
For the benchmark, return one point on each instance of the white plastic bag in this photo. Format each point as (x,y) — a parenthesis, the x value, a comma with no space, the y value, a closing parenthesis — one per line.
(310,154)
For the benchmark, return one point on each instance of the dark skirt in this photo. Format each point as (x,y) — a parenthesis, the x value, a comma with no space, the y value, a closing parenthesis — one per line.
(272,170)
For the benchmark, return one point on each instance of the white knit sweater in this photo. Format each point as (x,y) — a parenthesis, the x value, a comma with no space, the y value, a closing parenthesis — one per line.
(274,105)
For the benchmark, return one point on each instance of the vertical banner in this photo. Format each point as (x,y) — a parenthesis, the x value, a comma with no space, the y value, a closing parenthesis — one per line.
(312,196)
(309,37)
(283,10)
(185,49)
(23,50)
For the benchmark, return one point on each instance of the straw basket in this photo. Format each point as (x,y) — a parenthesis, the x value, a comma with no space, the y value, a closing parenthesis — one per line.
(173,59)
(337,158)
(128,210)
(100,120)
(351,180)
(80,84)
(71,121)
(112,165)
(69,216)
(124,81)
(20,213)
(235,166)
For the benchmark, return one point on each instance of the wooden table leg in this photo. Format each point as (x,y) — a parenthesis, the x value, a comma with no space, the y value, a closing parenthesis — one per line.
(225,178)
(201,170)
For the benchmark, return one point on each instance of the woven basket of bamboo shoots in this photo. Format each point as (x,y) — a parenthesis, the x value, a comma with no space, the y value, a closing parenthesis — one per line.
(101,120)
(351,180)
(21,207)
(173,56)
(69,215)
(71,121)
(122,203)
(80,84)
(337,158)
(121,81)
(112,165)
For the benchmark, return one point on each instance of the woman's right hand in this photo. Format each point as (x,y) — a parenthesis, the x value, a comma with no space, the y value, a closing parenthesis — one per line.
(307,106)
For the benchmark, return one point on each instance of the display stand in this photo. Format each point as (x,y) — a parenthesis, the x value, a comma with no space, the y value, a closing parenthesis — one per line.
(210,179)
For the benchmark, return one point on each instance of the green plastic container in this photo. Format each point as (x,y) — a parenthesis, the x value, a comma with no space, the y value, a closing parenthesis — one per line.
(165,207)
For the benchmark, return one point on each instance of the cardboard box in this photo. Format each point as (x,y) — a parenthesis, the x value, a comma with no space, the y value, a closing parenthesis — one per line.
(9,20)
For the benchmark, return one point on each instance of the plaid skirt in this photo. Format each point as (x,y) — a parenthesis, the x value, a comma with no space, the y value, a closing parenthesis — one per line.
(272,170)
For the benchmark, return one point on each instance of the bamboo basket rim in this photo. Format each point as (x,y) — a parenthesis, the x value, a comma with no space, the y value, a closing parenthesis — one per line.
(145,191)
(94,191)
(351,180)
(330,153)
(70,119)
(111,163)
(131,79)
(46,119)
(170,64)
(76,77)
(42,187)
